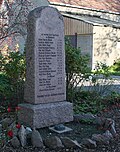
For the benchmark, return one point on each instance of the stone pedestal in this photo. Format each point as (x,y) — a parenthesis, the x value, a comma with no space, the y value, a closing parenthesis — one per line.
(42,115)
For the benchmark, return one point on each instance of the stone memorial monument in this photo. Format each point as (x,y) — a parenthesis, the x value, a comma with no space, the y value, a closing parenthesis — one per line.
(45,88)
(39,3)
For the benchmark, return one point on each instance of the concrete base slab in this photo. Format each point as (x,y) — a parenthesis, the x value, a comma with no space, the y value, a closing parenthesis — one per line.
(67,129)
(45,115)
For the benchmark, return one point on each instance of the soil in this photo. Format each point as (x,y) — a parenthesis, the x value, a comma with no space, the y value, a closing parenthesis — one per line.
(79,132)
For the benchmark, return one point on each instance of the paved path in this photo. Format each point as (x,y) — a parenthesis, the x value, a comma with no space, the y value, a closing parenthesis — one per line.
(105,87)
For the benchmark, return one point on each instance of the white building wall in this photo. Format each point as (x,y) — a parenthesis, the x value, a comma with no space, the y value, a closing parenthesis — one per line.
(106,44)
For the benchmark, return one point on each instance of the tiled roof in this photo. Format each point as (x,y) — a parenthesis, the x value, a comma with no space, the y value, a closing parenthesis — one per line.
(108,5)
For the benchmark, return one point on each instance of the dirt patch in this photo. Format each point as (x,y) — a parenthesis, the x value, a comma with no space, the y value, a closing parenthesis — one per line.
(79,132)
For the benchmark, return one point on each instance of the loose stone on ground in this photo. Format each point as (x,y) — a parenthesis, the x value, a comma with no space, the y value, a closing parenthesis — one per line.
(15,142)
(22,136)
(100,139)
(89,143)
(53,142)
(70,143)
(36,139)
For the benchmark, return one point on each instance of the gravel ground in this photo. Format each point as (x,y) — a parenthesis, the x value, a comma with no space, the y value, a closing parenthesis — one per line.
(114,146)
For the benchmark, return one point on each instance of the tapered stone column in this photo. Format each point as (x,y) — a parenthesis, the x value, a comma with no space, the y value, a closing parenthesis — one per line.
(45,88)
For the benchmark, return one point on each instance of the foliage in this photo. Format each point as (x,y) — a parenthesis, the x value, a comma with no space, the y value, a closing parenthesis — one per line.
(76,67)
(115,68)
(13,17)
(88,102)
(92,89)
(116,65)
(5,86)
(102,68)
(91,102)
(101,80)
(9,127)
(112,99)
(12,67)
(87,90)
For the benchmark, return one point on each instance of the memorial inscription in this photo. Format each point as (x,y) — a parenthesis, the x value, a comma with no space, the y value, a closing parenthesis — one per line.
(51,74)
(47,53)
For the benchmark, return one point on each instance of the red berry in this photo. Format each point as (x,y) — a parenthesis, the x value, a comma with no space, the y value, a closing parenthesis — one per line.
(9,109)
(10,133)
(18,126)
(17,108)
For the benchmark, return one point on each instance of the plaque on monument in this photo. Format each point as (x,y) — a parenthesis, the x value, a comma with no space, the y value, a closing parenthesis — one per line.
(45,88)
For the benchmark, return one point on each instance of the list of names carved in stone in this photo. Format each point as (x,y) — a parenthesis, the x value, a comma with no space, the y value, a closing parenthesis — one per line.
(50,64)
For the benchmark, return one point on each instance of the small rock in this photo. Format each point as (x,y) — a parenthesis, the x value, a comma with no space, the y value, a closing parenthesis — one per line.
(101,139)
(89,143)
(70,143)
(28,135)
(36,139)
(12,125)
(108,123)
(28,132)
(53,142)
(6,122)
(113,130)
(108,134)
(15,142)
(0,128)
(84,117)
(22,136)
(59,127)
(100,121)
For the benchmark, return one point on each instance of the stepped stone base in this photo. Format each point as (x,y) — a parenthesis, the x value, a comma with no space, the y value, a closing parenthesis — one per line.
(44,115)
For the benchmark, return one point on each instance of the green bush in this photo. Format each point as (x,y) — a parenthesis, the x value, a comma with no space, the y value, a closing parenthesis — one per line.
(102,69)
(99,94)
(77,68)
(5,86)
(78,72)
(88,102)
(13,66)
(115,68)
(12,77)
(91,98)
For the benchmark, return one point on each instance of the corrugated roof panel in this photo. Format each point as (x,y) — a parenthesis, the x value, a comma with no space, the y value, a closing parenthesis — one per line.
(108,5)
(73,26)
(93,20)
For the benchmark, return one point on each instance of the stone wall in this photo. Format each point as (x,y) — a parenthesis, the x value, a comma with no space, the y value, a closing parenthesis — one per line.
(106,44)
